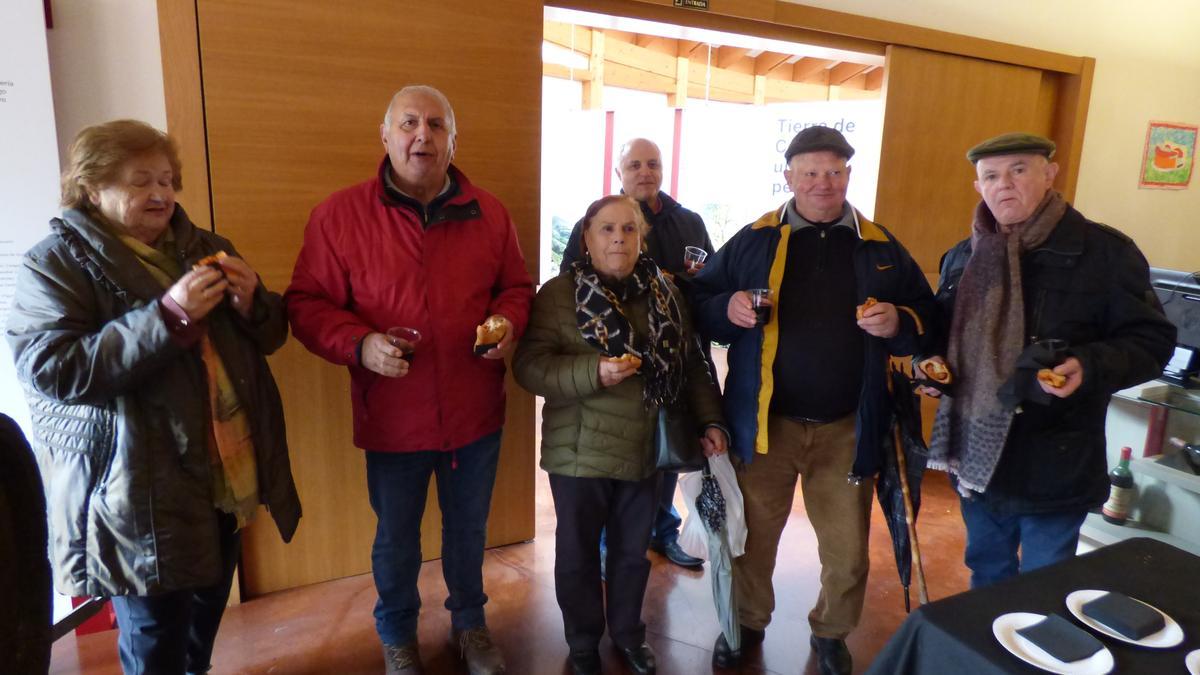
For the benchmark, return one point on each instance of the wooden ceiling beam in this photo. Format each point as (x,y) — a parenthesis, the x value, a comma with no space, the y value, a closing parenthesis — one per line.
(809,68)
(875,79)
(769,62)
(727,56)
(559,33)
(846,70)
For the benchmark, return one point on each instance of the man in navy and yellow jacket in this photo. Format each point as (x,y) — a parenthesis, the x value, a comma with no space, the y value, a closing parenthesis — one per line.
(806,396)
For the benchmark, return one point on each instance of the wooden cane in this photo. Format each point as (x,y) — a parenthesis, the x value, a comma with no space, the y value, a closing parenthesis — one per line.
(902,467)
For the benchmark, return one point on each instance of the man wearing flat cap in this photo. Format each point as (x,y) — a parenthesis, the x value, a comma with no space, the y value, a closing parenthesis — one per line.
(1036,287)
(806,396)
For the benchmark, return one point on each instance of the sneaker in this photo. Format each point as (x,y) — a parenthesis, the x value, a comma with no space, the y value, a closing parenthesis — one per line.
(402,659)
(477,650)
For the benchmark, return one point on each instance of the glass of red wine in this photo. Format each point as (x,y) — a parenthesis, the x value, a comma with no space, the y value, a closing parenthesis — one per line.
(405,339)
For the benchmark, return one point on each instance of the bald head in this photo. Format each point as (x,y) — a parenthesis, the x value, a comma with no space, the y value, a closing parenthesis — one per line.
(639,168)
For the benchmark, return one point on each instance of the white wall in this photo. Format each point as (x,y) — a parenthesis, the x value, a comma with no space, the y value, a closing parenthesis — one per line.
(105,64)
(1147,68)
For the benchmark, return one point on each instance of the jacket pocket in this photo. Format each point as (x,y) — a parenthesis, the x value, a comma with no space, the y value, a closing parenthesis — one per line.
(1061,466)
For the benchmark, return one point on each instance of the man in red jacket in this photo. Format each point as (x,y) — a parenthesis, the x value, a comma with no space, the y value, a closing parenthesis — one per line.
(418,247)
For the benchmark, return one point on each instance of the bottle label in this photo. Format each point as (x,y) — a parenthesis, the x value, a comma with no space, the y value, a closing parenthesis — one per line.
(1119,501)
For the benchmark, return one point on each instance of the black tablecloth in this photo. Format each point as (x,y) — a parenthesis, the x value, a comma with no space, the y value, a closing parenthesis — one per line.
(954,635)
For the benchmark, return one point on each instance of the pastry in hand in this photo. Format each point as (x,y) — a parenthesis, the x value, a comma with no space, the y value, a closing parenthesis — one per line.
(489,334)
(627,357)
(1051,378)
(213,261)
(869,302)
(936,371)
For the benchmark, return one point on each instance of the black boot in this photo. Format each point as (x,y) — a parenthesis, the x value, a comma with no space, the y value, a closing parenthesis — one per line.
(832,656)
(640,659)
(724,657)
(585,662)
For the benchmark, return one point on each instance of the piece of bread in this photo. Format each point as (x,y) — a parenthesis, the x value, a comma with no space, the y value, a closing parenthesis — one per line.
(213,261)
(489,334)
(1051,378)
(936,371)
(627,357)
(869,302)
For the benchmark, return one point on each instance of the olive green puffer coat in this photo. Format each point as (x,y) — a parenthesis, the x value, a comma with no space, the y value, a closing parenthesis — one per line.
(590,431)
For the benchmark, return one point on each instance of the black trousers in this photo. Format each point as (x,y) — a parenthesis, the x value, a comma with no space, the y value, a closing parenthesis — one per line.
(584,507)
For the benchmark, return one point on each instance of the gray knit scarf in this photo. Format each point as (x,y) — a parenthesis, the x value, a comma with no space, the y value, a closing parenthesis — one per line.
(987,334)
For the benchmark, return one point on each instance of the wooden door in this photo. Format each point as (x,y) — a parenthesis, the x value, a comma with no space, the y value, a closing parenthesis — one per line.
(936,107)
(293,95)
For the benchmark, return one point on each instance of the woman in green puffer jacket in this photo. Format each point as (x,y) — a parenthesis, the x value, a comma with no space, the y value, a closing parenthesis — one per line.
(598,422)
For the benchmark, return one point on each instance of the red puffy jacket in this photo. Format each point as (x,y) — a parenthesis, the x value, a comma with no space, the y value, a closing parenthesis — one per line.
(368,263)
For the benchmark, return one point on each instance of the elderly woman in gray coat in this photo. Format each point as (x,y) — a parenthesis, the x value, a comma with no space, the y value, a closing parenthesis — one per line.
(158,428)
(598,423)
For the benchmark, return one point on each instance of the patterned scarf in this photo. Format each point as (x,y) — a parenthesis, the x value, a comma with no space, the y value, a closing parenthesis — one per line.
(987,334)
(230,446)
(602,323)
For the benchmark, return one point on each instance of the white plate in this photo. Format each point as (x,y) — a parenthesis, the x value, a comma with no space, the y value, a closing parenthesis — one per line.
(1192,661)
(1168,636)
(1005,629)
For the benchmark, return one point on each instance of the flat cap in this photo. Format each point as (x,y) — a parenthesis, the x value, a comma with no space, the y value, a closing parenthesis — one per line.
(817,139)
(1016,143)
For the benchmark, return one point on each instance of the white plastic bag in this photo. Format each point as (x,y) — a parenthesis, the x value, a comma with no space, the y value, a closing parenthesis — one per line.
(693,538)
(735,516)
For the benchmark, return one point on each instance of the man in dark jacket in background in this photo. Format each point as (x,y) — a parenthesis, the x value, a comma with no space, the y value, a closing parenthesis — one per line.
(806,396)
(672,228)
(1036,286)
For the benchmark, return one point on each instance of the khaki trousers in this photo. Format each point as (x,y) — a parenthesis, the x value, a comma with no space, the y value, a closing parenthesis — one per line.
(821,455)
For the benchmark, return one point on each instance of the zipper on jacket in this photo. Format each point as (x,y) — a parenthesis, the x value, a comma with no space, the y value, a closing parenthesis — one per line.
(1037,315)
(821,252)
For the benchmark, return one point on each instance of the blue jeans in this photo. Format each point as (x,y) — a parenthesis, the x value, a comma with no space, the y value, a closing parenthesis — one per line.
(174,632)
(397,484)
(993,540)
(666,518)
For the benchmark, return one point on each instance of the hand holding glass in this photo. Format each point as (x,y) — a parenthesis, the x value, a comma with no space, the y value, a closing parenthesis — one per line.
(405,339)
(760,300)
(693,257)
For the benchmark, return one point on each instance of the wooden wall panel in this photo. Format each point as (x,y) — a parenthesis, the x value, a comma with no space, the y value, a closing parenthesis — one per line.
(936,107)
(294,93)
(185,104)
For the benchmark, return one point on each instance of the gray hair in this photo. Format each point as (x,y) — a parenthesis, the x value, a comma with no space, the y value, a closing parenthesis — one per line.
(428,91)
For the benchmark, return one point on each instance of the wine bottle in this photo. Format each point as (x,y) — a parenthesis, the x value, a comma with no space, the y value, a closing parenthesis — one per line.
(1120,492)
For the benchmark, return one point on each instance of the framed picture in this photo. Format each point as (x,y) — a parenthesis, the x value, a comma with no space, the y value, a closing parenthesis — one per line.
(1168,158)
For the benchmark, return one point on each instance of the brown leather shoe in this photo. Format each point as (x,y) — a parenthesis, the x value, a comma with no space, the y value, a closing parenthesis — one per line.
(402,659)
(476,648)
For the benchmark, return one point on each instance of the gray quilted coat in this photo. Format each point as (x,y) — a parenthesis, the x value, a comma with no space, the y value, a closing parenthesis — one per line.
(590,431)
(120,412)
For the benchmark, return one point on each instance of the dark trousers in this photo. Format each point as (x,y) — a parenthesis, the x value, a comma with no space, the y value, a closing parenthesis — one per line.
(397,484)
(993,540)
(666,518)
(174,632)
(584,507)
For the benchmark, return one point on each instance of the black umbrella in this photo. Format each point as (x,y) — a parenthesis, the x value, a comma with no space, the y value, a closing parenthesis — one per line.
(899,484)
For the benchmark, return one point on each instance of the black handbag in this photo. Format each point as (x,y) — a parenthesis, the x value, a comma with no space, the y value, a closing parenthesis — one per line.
(676,441)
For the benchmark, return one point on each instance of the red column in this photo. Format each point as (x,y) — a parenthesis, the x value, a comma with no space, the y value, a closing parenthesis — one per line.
(608,152)
(675,153)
